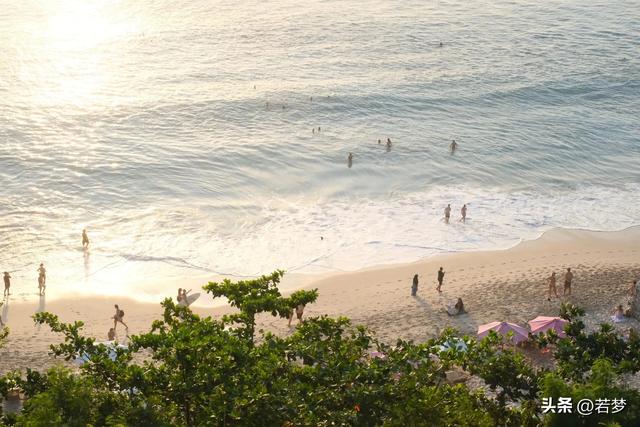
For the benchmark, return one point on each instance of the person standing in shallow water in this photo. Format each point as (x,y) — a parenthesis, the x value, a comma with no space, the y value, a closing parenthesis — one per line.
(414,286)
(440,279)
(350,160)
(42,279)
(447,214)
(7,283)
(85,239)
(463,213)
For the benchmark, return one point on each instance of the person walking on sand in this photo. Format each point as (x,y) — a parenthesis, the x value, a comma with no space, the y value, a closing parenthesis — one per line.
(552,286)
(42,279)
(85,239)
(117,317)
(447,214)
(440,279)
(568,278)
(463,213)
(414,286)
(179,297)
(7,283)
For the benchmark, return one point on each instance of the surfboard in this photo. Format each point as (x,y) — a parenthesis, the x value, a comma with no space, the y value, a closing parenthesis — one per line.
(190,299)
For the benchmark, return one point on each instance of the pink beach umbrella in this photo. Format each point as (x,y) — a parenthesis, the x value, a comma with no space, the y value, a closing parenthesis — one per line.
(544,323)
(503,328)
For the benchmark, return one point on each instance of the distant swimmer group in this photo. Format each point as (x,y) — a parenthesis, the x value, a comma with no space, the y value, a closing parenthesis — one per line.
(388,144)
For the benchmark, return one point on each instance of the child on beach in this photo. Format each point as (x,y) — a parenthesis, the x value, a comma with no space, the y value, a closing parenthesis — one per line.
(118,318)
(111,335)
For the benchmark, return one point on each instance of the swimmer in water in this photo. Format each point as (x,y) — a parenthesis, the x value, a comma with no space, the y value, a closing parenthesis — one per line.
(447,214)
(379,142)
(440,44)
(388,142)
(463,213)
(350,159)
(453,146)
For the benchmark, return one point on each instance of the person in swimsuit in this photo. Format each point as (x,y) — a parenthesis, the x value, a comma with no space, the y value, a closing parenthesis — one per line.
(179,297)
(440,279)
(111,335)
(42,279)
(453,146)
(414,286)
(463,213)
(117,318)
(299,312)
(350,159)
(7,283)
(85,239)
(568,278)
(447,214)
(552,286)
(456,309)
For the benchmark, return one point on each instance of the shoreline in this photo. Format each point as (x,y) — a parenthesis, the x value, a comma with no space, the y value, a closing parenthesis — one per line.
(495,285)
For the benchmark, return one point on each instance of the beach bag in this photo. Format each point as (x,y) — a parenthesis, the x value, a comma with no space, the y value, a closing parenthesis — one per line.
(121,313)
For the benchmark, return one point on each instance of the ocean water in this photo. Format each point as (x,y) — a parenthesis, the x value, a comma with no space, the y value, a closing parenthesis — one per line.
(180,135)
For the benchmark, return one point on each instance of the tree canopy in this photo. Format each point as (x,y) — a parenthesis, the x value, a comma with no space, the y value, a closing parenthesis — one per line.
(189,370)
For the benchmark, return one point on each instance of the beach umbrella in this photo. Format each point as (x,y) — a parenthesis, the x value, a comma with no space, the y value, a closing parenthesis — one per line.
(503,328)
(543,323)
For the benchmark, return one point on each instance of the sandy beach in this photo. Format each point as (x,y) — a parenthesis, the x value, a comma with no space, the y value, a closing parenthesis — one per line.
(495,285)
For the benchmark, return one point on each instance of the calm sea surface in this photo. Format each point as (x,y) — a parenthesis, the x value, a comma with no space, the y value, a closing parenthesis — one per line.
(147,123)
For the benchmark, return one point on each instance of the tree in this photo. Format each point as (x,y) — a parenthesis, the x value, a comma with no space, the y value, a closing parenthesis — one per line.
(190,370)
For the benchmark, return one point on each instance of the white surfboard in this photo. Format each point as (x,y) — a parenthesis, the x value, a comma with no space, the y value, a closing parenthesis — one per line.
(190,299)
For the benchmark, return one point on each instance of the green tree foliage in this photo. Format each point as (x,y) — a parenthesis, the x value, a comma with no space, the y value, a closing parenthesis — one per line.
(190,370)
